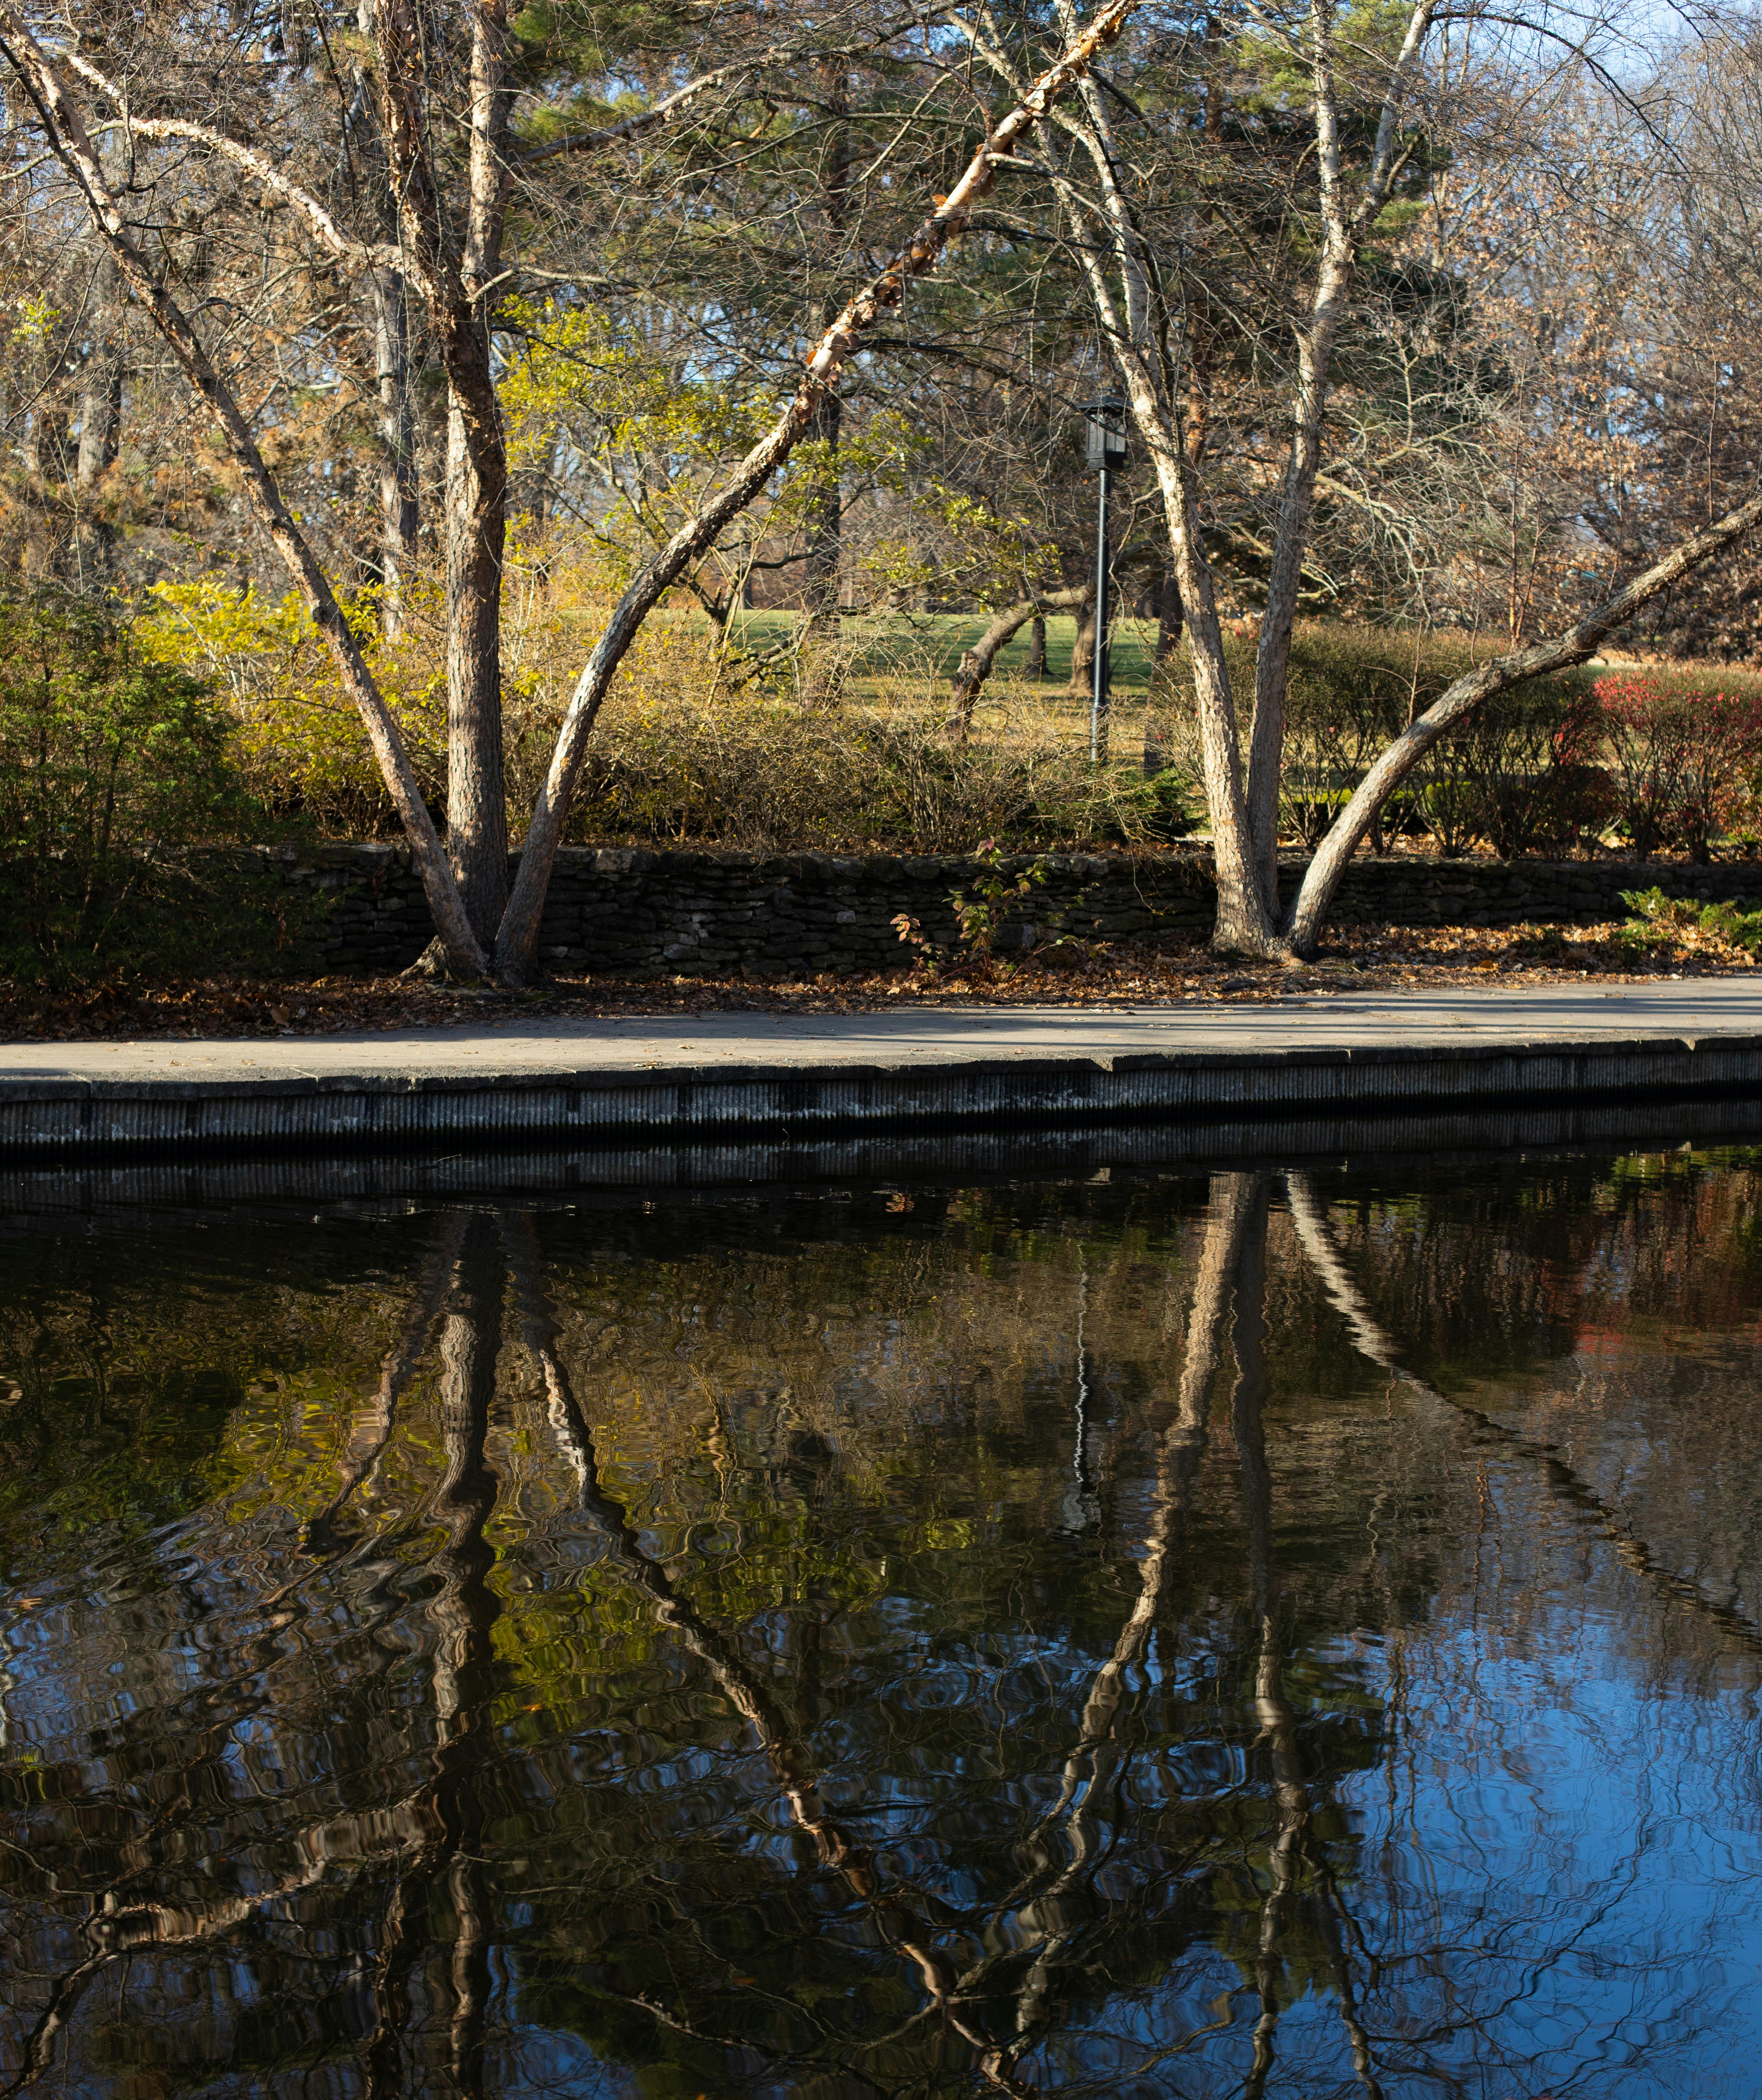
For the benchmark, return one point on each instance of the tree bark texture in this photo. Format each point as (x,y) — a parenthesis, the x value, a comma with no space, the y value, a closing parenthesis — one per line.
(67,137)
(1079,684)
(455,273)
(825,522)
(100,413)
(518,938)
(1169,622)
(399,519)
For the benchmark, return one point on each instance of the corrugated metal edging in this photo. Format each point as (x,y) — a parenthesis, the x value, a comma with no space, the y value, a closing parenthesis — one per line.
(140,1189)
(163,1119)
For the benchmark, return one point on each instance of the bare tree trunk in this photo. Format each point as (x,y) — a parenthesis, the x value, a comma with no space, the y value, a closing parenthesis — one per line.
(976,664)
(826,520)
(1311,907)
(455,277)
(1082,678)
(100,413)
(1242,923)
(825,524)
(1036,666)
(518,938)
(67,138)
(1315,354)
(477,803)
(42,453)
(1169,622)
(399,517)
(477,498)
(825,517)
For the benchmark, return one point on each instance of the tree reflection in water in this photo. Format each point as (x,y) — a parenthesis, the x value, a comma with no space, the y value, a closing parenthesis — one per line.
(683,1674)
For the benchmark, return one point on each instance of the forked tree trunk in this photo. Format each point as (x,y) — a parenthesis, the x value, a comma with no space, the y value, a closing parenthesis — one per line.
(1316,342)
(1244,925)
(456,270)
(1244,846)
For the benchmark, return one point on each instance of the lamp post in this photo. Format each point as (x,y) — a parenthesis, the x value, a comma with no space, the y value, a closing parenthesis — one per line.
(1105,450)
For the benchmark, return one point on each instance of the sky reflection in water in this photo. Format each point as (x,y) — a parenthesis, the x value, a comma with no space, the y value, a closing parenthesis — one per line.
(1290,1633)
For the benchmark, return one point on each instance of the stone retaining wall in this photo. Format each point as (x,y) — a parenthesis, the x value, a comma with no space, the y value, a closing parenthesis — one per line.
(619,908)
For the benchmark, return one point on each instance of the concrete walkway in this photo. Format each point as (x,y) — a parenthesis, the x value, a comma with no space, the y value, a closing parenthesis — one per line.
(917,1035)
(526,1081)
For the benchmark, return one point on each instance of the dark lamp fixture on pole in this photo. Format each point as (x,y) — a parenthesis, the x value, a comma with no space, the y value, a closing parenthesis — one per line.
(1105,450)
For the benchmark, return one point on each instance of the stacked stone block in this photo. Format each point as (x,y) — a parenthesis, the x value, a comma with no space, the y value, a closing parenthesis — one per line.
(622,909)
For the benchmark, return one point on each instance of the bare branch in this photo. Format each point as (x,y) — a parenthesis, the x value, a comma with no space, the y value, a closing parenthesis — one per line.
(518,936)
(341,244)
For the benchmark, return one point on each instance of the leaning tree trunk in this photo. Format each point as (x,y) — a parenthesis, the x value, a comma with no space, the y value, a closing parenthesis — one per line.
(977,663)
(1309,911)
(517,939)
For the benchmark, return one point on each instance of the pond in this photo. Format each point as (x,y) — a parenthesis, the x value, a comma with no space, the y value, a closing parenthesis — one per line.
(1284,1631)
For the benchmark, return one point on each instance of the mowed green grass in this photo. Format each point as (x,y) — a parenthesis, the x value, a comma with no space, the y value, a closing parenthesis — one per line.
(883,646)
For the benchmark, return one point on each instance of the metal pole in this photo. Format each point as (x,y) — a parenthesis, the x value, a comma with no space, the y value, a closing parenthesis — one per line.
(1098,690)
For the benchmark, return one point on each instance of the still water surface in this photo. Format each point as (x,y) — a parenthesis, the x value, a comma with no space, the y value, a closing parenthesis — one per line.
(1283,1633)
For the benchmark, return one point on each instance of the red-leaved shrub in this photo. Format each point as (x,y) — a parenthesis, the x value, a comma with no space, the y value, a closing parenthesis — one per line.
(1682,764)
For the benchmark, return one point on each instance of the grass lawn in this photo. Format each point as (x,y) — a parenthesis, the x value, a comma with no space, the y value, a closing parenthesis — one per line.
(885,643)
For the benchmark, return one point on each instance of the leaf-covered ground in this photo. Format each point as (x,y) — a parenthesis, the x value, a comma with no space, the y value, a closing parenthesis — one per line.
(1171,969)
